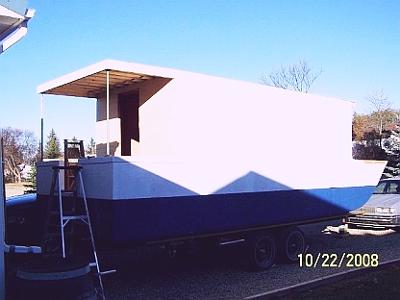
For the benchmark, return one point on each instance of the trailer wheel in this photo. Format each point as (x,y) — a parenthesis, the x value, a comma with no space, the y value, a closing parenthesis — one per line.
(261,251)
(292,243)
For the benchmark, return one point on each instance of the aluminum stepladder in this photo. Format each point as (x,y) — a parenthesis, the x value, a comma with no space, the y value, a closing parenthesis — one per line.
(73,214)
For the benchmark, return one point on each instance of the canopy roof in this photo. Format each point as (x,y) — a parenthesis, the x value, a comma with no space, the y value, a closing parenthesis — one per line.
(91,81)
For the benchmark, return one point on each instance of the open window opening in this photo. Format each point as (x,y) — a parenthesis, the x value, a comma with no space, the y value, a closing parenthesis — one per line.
(128,104)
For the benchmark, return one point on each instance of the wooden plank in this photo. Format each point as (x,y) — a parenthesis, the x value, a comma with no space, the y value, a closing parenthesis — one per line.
(95,84)
(73,94)
(70,91)
(86,84)
(121,74)
(75,87)
(101,81)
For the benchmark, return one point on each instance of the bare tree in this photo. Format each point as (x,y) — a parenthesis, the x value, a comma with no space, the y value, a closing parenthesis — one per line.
(19,148)
(298,77)
(381,108)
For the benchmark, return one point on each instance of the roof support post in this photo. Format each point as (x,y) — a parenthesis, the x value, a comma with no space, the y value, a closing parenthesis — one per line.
(108,111)
(41,126)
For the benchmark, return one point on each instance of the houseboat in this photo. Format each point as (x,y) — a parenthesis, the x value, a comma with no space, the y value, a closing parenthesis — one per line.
(181,154)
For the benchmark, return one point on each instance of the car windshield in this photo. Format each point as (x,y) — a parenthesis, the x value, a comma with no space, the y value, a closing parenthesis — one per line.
(388,187)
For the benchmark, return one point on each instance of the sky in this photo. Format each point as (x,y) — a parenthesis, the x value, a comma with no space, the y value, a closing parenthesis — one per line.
(356,44)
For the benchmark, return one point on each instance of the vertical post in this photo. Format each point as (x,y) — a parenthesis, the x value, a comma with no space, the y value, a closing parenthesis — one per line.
(2,225)
(108,112)
(41,126)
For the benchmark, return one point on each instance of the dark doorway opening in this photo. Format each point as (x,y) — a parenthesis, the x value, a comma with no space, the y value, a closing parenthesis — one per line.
(128,105)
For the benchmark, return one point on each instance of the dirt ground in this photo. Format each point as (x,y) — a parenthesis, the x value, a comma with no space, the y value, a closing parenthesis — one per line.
(13,189)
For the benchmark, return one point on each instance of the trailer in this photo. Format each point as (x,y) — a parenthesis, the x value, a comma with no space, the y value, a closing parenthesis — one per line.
(260,246)
(183,156)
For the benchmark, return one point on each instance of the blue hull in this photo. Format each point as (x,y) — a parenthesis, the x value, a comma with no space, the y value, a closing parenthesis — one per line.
(138,220)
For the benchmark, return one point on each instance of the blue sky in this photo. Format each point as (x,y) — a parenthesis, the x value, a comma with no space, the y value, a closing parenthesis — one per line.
(355,43)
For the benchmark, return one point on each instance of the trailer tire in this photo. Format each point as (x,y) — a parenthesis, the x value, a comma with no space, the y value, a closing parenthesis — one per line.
(261,251)
(292,243)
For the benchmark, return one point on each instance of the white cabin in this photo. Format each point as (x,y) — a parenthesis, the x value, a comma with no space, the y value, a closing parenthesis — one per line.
(204,132)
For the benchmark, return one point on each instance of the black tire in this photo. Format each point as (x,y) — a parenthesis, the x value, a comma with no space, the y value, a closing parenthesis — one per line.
(261,251)
(292,243)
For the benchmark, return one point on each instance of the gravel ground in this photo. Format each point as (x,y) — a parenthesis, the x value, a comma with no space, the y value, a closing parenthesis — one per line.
(222,275)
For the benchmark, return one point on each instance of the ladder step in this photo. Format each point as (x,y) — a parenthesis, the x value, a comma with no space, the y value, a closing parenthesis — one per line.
(94,265)
(78,217)
(108,272)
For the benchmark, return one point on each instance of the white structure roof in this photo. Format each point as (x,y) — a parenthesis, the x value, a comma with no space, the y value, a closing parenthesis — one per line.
(91,80)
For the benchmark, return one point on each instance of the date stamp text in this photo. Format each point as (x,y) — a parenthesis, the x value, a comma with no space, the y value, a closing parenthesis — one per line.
(333,260)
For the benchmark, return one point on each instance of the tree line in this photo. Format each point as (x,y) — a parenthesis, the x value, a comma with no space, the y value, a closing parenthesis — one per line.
(21,148)
(376,135)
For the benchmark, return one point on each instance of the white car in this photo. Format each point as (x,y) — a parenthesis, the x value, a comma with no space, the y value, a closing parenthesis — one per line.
(382,210)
